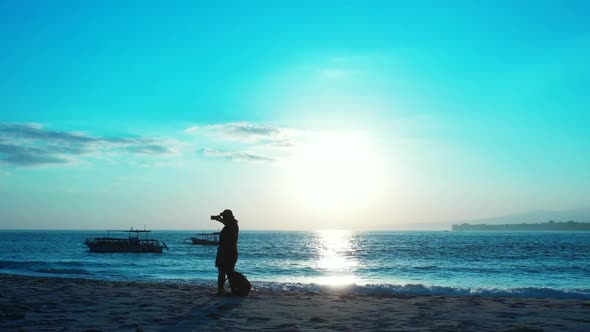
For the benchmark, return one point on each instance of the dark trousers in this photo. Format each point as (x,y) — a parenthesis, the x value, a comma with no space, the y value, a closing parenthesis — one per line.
(225,267)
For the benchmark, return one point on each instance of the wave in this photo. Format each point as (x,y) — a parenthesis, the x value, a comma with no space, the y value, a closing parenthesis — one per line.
(18,264)
(420,289)
(63,271)
(44,267)
(374,289)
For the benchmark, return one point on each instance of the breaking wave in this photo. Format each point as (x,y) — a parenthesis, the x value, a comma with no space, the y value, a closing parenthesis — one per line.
(420,289)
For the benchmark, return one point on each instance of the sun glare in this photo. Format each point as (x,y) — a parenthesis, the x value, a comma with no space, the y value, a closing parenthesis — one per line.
(336,259)
(336,171)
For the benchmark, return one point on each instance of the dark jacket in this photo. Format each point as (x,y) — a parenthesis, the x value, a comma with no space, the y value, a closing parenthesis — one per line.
(227,252)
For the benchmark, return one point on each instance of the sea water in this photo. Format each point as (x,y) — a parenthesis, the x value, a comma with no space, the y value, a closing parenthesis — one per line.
(521,264)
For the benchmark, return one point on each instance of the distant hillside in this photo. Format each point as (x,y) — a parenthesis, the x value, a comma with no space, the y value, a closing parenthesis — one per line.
(546,226)
(579,215)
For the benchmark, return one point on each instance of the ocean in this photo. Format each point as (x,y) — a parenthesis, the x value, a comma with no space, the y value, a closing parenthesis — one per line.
(517,264)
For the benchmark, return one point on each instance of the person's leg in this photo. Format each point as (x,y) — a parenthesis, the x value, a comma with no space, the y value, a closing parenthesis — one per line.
(220,280)
(233,263)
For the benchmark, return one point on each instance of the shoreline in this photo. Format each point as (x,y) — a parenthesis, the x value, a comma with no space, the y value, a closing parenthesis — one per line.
(410,289)
(73,304)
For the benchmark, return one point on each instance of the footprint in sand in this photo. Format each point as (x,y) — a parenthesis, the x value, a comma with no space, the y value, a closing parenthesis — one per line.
(258,319)
(214,315)
(318,320)
(226,306)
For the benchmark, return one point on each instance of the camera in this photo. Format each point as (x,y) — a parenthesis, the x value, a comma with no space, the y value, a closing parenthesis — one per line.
(216,218)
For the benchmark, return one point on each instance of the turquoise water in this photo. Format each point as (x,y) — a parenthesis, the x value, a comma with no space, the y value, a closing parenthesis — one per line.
(538,264)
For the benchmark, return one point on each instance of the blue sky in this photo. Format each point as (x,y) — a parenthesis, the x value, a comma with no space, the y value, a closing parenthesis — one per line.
(296,114)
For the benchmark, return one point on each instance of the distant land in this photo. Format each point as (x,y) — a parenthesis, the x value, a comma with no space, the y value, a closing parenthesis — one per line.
(579,215)
(539,216)
(545,226)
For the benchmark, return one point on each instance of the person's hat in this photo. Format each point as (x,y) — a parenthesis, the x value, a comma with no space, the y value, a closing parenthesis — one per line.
(227,213)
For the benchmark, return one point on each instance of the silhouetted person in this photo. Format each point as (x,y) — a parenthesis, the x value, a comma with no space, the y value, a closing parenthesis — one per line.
(227,252)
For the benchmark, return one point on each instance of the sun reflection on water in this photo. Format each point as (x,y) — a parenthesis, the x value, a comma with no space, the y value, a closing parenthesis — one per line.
(336,260)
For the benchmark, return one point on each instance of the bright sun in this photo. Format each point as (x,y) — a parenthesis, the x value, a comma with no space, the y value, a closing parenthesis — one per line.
(336,171)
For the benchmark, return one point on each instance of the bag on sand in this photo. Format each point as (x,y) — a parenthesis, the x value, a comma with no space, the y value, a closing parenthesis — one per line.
(239,284)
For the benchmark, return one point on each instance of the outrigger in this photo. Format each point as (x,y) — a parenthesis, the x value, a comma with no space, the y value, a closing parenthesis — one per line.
(204,238)
(132,244)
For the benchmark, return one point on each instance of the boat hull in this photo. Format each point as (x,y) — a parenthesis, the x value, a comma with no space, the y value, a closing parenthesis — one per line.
(98,246)
(123,249)
(205,242)
(208,239)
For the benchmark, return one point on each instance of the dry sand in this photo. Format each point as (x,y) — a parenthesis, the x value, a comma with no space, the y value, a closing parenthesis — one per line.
(52,304)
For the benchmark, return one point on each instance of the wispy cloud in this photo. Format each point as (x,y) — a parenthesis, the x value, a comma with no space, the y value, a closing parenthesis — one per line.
(246,141)
(33,145)
(246,132)
(235,155)
(28,156)
(30,145)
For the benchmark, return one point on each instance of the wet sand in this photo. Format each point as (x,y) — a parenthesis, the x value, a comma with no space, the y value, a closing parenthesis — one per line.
(53,304)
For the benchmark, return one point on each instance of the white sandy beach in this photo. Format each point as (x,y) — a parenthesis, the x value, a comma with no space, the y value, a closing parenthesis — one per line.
(52,304)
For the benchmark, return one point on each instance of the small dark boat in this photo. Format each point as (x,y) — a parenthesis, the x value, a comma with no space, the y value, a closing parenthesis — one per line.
(132,244)
(204,238)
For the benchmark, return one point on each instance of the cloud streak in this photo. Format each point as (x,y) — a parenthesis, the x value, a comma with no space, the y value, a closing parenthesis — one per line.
(247,132)
(28,156)
(236,156)
(33,145)
(236,141)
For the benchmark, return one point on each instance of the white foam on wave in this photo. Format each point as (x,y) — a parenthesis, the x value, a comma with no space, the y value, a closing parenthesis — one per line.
(420,289)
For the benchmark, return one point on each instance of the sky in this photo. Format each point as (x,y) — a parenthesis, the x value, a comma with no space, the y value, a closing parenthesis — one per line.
(297,115)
